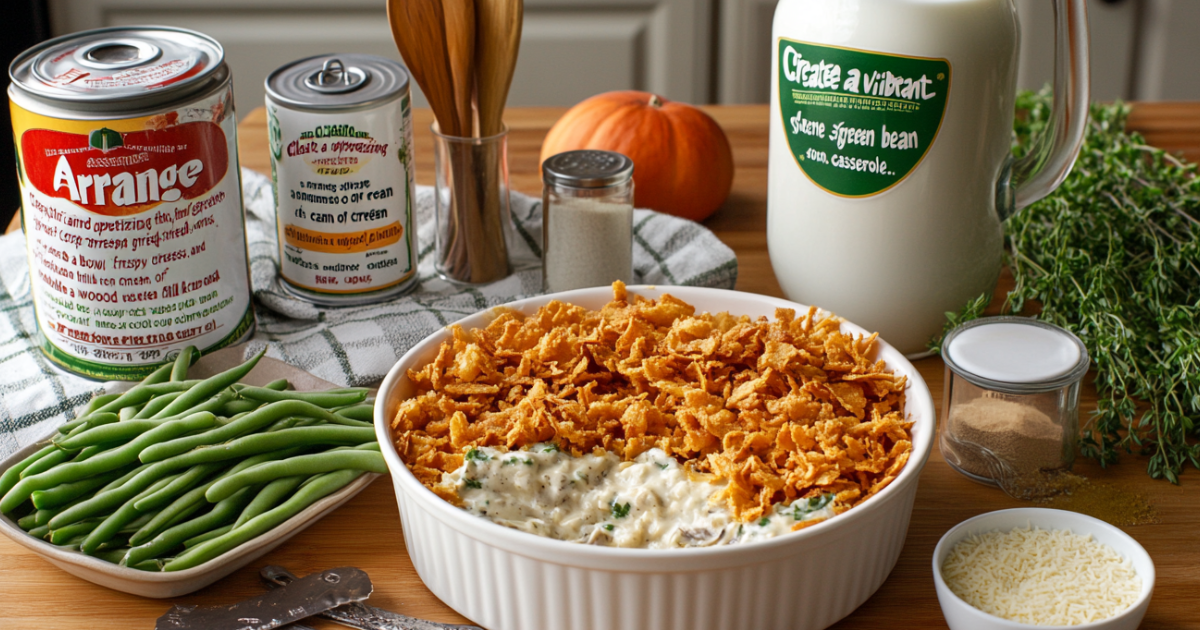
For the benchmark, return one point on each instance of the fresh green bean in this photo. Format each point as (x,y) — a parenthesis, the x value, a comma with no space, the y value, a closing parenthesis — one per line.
(109,460)
(129,528)
(39,531)
(283,423)
(60,536)
(364,412)
(327,484)
(142,392)
(239,406)
(224,511)
(195,496)
(125,514)
(119,432)
(120,481)
(324,435)
(209,535)
(252,421)
(43,516)
(182,362)
(278,384)
(65,493)
(13,474)
(182,507)
(156,404)
(115,495)
(28,522)
(128,413)
(114,556)
(267,498)
(98,401)
(159,375)
(90,422)
(182,484)
(362,458)
(46,463)
(210,386)
(321,399)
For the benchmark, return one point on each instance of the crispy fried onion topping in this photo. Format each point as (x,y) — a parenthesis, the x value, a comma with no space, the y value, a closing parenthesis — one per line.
(781,409)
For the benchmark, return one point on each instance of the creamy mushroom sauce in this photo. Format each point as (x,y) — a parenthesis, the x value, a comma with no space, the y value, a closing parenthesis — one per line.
(652,502)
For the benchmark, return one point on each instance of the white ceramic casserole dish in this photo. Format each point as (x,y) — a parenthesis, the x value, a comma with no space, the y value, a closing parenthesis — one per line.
(504,579)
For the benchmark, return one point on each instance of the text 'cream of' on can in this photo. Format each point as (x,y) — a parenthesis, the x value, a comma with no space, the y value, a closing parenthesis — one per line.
(130,198)
(341,145)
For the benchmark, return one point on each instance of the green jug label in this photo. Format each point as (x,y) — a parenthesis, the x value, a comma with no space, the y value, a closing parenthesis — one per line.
(859,122)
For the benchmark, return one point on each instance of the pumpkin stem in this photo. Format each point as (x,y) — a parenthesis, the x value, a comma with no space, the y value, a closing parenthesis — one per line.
(655,101)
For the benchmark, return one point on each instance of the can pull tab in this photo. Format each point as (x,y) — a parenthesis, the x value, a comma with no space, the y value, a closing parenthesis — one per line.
(115,54)
(335,78)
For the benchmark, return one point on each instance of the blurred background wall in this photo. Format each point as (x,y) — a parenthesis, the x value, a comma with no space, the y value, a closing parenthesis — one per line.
(699,51)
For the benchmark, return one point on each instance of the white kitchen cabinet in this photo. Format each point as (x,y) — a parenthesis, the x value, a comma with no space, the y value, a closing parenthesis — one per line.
(570,49)
(1168,51)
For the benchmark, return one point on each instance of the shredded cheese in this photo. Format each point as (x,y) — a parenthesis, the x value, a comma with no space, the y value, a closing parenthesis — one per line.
(1041,577)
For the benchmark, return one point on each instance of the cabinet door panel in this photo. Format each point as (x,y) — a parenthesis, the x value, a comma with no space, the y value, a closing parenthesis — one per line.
(570,49)
(258,42)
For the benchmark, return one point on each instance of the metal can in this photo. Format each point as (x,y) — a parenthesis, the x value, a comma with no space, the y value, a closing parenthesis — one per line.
(131,198)
(341,145)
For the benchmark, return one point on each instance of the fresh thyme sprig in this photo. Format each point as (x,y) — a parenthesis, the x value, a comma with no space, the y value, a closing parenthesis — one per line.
(1114,256)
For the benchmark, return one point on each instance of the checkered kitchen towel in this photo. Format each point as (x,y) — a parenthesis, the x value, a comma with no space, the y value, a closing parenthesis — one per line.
(345,345)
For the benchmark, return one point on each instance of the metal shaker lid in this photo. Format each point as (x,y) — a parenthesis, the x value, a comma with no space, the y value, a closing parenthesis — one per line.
(587,168)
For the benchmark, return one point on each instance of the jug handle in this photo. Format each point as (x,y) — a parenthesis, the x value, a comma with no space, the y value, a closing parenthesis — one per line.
(1053,153)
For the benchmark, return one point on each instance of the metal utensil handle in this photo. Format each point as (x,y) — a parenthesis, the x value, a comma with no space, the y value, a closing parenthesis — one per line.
(359,615)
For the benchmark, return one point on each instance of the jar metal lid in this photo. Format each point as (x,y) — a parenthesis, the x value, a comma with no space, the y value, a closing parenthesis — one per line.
(587,168)
(1015,354)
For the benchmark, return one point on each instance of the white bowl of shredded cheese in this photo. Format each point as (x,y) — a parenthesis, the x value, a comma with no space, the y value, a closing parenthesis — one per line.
(1041,568)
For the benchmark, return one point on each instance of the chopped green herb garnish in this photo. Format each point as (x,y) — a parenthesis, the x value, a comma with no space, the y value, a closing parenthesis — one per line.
(580,475)
(662,466)
(764,521)
(476,455)
(517,460)
(608,526)
(472,483)
(619,510)
(804,507)
(550,448)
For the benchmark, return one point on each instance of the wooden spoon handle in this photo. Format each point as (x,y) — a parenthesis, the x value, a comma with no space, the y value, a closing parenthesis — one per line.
(498,39)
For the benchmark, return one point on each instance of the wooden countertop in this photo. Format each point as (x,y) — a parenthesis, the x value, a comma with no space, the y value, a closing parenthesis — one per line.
(366,531)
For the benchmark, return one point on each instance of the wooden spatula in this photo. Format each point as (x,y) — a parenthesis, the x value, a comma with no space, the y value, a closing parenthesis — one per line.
(419,28)
(497,40)
(460,46)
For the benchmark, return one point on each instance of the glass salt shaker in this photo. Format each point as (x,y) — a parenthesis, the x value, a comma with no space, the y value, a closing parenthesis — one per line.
(587,219)
(1010,413)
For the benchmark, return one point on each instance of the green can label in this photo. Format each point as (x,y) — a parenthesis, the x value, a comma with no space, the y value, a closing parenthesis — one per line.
(858,122)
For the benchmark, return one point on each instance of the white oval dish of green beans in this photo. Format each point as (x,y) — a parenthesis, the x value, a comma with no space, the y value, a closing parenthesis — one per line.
(167,487)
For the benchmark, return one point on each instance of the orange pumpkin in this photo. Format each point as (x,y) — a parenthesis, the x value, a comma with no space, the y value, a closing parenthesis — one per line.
(682,163)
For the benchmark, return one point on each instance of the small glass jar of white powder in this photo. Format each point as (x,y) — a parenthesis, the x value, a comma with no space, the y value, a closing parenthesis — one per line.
(587,220)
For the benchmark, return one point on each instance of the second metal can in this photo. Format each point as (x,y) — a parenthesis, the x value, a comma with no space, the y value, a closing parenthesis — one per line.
(341,166)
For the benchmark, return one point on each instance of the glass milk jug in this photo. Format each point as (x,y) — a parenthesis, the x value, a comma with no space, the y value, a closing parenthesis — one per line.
(889,170)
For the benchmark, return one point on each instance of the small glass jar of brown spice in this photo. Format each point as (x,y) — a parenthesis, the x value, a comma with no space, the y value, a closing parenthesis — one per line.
(1010,413)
